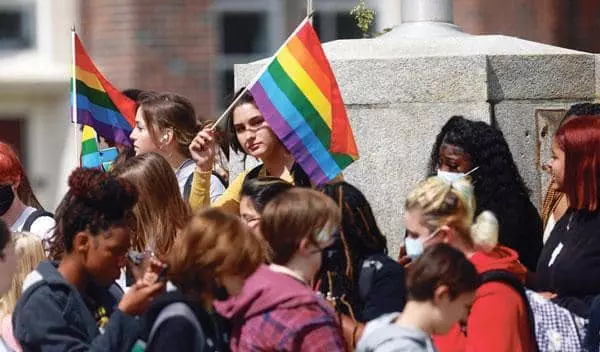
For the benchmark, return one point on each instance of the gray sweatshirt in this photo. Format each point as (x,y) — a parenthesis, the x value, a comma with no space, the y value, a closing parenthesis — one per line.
(383,335)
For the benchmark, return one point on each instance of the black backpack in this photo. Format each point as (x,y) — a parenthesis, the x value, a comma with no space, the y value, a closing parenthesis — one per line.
(509,279)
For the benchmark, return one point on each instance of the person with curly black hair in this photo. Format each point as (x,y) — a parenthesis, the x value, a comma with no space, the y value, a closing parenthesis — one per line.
(465,146)
(73,304)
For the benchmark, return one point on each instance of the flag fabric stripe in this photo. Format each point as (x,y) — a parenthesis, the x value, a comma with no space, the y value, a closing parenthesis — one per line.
(89,79)
(301,103)
(342,138)
(303,81)
(94,96)
(296,121)
(90,155)
(102,114)
(294,144)
(88,145)
(99,104)
(309,64)
(107,131)
(300,99)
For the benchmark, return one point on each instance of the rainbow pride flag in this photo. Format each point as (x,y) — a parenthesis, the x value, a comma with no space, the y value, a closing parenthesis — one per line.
(298,94)
(90,155)
(96,103)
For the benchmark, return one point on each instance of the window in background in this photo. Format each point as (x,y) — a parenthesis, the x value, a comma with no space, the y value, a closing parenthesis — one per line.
(17,26)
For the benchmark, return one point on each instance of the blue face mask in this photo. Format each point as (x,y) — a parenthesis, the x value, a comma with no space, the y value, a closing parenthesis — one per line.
(415,246)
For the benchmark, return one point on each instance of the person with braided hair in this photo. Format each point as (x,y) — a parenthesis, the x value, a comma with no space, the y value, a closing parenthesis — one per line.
(73,304)
(357,275)
(463,146)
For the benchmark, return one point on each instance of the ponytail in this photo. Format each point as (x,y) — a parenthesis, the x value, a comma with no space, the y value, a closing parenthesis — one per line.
(484,231)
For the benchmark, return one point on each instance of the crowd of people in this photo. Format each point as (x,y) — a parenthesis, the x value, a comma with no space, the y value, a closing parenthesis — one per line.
(166,252)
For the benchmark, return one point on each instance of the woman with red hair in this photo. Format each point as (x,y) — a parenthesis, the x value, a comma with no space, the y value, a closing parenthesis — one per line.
(19,207)
(569,266)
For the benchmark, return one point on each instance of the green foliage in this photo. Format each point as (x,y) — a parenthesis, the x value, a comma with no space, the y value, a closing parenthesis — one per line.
(363,16)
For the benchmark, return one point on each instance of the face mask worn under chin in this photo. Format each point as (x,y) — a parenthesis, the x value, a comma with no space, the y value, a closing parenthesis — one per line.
(451,177)
(7,198)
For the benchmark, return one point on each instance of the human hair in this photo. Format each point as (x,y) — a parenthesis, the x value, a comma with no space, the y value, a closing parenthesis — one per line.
(294,215)
(4,237)
(169,110)
(498,185)
(133,94)
(263,189)
(441,203)
(360,237)
(440,264)
(11,170)
(160,212)
(94,202)
(246,98)
(581,109)
(580,140)
(30,251)
(212,244)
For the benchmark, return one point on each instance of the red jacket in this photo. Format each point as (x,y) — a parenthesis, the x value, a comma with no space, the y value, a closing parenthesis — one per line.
(498,321)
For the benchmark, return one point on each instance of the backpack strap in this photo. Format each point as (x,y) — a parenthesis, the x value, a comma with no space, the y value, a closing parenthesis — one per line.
(38,213)
(511,280)
(179,309)
(365,278)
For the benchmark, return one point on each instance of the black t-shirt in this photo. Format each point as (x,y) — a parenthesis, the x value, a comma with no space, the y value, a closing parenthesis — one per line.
(569,264)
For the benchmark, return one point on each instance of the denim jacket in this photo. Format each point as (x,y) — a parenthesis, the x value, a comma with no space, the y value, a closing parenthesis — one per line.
(52,315)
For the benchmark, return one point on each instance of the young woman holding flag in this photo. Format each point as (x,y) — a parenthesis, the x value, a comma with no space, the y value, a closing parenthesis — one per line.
(250,134)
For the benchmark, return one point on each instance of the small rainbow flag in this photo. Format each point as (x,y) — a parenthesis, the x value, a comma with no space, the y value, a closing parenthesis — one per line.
(90,155)
(96,103)
(298,94)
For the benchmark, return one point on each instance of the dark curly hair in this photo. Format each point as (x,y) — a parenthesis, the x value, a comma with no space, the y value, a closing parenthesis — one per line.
(498,185)
(581,109)
(263,189)
(359,238)
(95,201)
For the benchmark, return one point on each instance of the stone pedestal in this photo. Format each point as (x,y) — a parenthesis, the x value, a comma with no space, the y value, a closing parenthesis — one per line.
(400,91)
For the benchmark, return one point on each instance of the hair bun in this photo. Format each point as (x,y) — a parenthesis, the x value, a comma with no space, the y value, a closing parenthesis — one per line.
(485,231)
(85,183)
(101,190)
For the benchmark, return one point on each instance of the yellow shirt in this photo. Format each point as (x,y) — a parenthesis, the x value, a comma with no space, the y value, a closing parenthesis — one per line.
(229,201)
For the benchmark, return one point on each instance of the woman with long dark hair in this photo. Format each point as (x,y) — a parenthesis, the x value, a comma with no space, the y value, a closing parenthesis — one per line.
(465,146)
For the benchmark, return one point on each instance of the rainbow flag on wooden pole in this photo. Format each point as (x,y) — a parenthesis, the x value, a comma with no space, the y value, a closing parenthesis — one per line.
(300,99)
(96,103)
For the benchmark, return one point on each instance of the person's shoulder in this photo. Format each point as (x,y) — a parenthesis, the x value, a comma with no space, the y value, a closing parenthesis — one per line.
(43,226)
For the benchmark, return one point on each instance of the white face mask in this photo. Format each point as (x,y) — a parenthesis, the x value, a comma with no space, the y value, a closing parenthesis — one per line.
(451,177)
(8,267)
(415,246)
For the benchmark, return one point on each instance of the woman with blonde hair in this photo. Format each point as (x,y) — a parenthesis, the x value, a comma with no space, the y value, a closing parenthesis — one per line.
(30,252)
(440,211)
(204,268)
